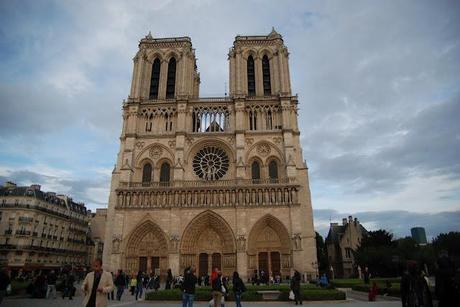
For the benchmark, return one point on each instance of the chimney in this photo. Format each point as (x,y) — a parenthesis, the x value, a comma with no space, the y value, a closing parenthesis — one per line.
(35,187)
(344,221)
(10,184)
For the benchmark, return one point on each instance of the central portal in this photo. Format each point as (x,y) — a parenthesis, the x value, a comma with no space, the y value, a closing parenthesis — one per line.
(208,242)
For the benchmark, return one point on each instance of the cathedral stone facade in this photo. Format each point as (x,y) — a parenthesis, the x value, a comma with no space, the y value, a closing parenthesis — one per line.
(210,182)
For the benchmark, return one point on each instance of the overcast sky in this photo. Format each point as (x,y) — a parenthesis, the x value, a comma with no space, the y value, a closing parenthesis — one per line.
(378,85)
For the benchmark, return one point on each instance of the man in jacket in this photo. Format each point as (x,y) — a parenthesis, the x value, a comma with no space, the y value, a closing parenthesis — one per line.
(96,286)
(188,287)
(51,282)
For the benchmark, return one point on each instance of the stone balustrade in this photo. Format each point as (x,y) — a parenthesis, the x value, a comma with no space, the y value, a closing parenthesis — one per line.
(219,193)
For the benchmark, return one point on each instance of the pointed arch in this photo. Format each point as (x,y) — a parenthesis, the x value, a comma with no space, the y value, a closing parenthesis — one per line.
(269,223)
(155,79)
(165,172)
(171,78)
(207,220)
(255,171)
(147,173)
(266,76)
(251,75)
(273,172)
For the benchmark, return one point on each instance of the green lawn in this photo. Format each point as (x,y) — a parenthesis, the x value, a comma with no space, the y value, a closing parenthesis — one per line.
(309,293)
(358,284)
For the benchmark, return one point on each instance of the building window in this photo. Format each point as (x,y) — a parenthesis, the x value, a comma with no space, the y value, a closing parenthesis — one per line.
(171,81)
(155,79)
(147,173)
(165,172)
(251,77)
(273,170)
(266,76)
(255,171)
(252,120)
(348,252)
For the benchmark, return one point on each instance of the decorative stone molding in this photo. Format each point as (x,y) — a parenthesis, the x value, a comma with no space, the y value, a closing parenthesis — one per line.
(174,243)
(249,141)
(297,242)
(116,241)
(140,145)
(263,149)
(156,152)
(172,144)
(241,243)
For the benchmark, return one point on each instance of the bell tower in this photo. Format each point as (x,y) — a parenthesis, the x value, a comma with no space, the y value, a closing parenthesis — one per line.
(165,68)
(259,66)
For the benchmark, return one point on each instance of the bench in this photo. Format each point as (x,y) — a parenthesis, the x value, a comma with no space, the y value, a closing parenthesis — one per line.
(269,295)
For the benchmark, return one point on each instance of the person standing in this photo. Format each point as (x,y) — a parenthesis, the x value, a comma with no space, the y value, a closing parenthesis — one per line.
(366,276)
(4,282)
(169,280)
(238,288)
(188,287)
(120,283)
(295,287)
(51,279)
(96,286)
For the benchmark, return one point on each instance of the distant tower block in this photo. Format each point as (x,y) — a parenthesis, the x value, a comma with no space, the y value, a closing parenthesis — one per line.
(419,235)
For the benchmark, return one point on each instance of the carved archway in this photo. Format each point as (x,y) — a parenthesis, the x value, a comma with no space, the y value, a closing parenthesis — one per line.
(269,247)
(209,234)
(147,249)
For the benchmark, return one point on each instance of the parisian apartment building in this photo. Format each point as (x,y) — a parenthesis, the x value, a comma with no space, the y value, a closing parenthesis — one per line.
(42,230)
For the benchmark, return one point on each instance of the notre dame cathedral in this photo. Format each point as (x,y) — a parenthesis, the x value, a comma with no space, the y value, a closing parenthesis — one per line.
(215,181)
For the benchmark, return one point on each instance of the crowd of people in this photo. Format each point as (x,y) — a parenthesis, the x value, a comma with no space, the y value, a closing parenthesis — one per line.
(99,286)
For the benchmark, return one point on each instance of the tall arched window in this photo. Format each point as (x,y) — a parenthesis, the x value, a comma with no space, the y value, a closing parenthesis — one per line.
(147,173)
(165,172)
(255,171)
(251,77)
(273,170)
(155,79)
(171,81)
(266,76)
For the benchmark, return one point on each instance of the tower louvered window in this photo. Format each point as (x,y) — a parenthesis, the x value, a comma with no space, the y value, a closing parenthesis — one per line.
(171,80)
(251,77)
(266,76)
(155,79)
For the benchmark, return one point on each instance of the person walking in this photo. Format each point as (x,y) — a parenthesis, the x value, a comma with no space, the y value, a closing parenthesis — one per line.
(188,287)
(140,285)
(69,291)
(96,286)
(216,284)
(4,282)
(51,279)
(295,287)
(120,283)
(238,288)
(132,284)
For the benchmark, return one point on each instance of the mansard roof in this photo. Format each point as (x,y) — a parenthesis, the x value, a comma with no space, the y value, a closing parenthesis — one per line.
(49,197)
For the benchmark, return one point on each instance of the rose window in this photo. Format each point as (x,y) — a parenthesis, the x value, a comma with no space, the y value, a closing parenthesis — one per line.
(210,163)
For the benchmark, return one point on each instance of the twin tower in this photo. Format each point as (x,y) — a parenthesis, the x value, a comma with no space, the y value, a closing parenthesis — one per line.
(211,182)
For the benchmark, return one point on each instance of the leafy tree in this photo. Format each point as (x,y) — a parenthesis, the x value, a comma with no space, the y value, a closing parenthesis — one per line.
(449,242)
(321,253)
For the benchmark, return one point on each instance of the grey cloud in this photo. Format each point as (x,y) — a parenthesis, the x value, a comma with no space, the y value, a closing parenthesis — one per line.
(78,189)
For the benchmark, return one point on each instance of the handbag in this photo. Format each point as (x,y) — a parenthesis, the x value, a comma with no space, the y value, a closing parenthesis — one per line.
(291,295)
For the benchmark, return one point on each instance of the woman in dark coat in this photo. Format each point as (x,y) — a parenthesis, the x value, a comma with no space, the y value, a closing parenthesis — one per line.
(238,288)
(295,287)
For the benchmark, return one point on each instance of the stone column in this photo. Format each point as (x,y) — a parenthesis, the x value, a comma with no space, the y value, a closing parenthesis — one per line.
(259,77)
(163,77)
